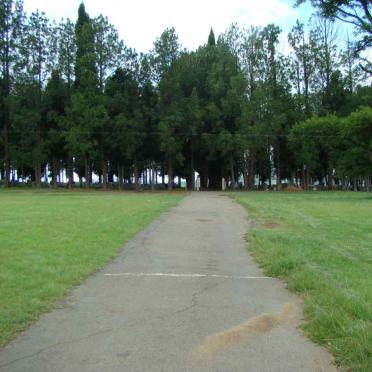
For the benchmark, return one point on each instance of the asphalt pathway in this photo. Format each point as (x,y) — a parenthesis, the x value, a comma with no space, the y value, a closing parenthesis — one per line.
(183,295)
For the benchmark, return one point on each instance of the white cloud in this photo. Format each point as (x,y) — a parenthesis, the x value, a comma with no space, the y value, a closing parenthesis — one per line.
(140,22)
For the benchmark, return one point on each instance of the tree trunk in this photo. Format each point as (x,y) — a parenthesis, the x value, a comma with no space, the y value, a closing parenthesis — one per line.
(367,182)
(110,174)
(250,181)
(6,155)
(307,178)
(251,173)
(246,178)
(136,181)
(120,176)
(270,170)
(87,173)
(330,180)
(70,171)
(278,170)
(303,177)
(278,179)
(46,174)
(355,183)
(170,174)
(104,174)
(233,183)
(153,176)
(306,83)
(149,175)
(192,170)
(55,171)
(37,172)
(6,115)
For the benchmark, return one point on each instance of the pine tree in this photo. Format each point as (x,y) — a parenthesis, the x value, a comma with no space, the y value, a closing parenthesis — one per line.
(166,50)
(54,103)
(11,28)
(127,125)
(108,47)
(39,65)
(66,48)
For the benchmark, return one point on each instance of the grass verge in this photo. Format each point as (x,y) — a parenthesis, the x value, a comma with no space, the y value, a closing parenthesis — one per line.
(320,243)
(50,240)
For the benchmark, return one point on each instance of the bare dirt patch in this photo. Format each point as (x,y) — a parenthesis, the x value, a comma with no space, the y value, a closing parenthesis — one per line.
(292,188)
(270,224)
(259,324)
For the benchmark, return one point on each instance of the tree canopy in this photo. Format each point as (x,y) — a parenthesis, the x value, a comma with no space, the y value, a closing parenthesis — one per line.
(79,107)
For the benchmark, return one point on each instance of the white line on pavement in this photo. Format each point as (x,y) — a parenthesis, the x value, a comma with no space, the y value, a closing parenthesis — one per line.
(189,275)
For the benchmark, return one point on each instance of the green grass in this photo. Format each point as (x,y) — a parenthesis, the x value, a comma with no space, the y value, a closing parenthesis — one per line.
(322,247)
(49,241)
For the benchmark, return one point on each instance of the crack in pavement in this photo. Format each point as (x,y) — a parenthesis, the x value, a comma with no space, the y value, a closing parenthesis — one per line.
(194,301)
(197,324)
(55,345)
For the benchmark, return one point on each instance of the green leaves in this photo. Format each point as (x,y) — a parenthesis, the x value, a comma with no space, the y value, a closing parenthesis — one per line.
(124,109)
(354,12)
(356,129)
(166,50)
(77,97)
(344,144)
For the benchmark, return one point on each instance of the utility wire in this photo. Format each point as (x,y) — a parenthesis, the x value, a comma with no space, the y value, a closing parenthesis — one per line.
(264,135)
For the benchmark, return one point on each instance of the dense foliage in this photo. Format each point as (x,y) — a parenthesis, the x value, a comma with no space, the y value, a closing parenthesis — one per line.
(76,100)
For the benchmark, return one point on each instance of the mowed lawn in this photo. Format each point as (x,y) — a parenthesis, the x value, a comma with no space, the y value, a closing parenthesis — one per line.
(50,240)
(321,244)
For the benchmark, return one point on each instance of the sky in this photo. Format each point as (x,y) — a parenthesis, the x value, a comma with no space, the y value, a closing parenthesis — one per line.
(140,22)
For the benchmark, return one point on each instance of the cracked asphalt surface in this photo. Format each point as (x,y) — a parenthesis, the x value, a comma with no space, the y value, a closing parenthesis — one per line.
(230,318)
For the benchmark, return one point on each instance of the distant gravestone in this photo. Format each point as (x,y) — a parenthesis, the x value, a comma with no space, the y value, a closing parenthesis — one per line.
(197,184)
(223,184)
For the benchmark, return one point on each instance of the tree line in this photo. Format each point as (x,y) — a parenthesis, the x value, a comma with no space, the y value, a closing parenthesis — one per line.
(75,99)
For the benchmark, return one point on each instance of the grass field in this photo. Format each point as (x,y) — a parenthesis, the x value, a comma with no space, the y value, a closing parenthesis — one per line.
(321,244)
(49,241)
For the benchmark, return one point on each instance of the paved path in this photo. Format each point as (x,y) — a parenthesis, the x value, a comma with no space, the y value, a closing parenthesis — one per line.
(185,296)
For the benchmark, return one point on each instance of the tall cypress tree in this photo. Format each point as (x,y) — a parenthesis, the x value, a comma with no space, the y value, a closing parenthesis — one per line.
(86,113)
(211,38)
(85,69)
